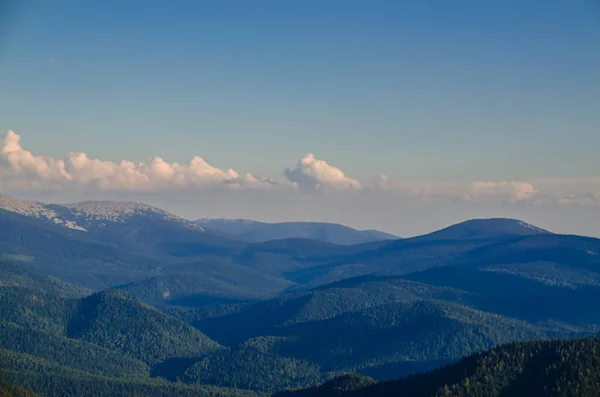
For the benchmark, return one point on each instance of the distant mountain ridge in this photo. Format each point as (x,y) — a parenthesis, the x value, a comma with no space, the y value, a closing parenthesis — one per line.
(443,247)
(485,228)
(259,232)
(266,316)
(89,214)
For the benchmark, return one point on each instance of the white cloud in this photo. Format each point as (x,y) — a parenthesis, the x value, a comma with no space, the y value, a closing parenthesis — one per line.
(25,163)
(23,171)
(312,174)
(22,168)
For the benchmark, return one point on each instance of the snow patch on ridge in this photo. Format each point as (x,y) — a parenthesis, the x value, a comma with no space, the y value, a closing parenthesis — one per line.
(38,210)
(73,216)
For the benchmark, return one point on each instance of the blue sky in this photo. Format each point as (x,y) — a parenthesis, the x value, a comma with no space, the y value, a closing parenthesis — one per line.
(417,90)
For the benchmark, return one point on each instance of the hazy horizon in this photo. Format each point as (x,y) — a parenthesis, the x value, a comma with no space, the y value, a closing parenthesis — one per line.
(403,117)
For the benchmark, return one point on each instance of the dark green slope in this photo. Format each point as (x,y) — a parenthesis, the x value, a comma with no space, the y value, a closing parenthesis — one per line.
(8,390)
(339,386)
(519,296)
(75,354)
(533,369)
(118,322)
(254,365)
(231,324)
(62,347)
(109,319)
(411,336)
(35,310)
(381,328)
(53,380)
(14,275)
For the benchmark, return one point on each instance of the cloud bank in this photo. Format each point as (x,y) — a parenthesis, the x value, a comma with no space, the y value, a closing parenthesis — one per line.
(21,170)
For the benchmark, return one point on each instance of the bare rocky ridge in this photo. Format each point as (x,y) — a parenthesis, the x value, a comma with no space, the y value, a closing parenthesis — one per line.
(81,216)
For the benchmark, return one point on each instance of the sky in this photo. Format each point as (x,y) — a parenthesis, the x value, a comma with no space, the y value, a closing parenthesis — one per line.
(400,115)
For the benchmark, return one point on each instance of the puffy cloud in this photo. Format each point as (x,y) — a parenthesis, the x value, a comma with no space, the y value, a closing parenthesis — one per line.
(25,163)
(22,168)
(312,174)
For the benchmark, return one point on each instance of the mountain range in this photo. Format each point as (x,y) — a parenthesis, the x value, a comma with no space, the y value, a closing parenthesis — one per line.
(259,232)
(109,298)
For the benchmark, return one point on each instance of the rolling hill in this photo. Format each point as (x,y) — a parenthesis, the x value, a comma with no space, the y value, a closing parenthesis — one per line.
(259,232)
(170,261)
(104,344)
(108,319)
(537,369)
(301,311)
(106,244)
(19,276)
(383,327)
(485,229)
(440,248)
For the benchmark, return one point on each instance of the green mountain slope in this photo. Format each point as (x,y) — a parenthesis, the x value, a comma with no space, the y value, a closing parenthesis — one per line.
(96,346)
(519,296)
(75,354)
(19,276)
(254,365)
(380,327)
(536,369)
(49,379)
(109,319)
(114,320)
(8,390)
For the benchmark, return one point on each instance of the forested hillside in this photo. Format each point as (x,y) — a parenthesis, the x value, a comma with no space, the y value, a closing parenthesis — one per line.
(186,312)
(382,327)
(101,345)
(537,369)
(8,390)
